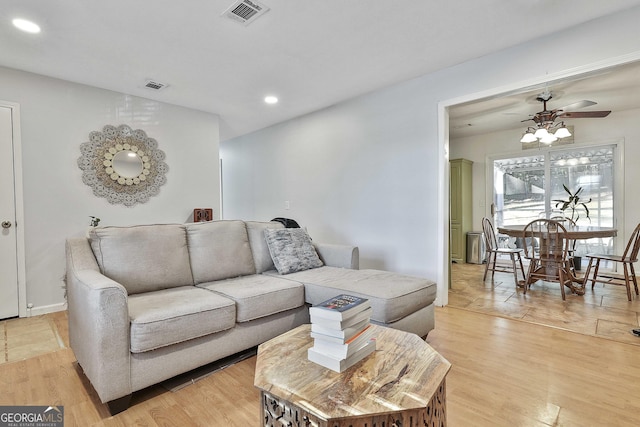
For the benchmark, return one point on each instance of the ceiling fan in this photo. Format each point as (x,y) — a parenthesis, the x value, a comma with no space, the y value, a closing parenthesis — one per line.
(547,129)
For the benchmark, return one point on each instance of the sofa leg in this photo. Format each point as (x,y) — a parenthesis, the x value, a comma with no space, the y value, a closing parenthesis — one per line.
(118,405)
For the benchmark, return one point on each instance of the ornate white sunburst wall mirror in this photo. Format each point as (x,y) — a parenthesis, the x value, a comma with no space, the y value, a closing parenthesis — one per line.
(123,165)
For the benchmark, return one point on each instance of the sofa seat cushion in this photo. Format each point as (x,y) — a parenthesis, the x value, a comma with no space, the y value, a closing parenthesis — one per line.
(392,295)
(219,250)
(259,295)
(143,258)
(170,316)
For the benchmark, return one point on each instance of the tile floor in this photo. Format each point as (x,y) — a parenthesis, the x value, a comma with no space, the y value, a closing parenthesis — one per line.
(27,337)
(603,312)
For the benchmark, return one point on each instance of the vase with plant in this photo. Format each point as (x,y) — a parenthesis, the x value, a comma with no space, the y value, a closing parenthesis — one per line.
(573,204)
(93,222)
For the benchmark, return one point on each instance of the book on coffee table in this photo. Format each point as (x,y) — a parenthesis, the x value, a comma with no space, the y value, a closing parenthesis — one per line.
(340,307)
(339,325)
(341,364)
(348,348)
(339,336)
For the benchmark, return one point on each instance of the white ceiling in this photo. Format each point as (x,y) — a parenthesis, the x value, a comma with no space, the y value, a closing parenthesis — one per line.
(311,54)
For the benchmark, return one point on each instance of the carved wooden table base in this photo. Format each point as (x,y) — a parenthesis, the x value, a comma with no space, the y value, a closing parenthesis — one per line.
(279,412)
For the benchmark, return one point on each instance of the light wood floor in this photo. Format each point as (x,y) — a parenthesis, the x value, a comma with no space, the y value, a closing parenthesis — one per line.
(512,373)
(505,372)
(605,312)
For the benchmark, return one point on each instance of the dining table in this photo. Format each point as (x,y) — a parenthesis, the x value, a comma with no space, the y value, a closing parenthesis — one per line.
(574,232)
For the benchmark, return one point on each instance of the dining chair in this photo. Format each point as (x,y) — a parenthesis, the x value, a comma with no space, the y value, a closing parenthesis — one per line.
(628,257)
(568,223)
(546,249)
(495,253)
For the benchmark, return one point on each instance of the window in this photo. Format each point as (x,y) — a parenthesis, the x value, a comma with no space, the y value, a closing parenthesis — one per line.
(525,188)
(591,170)
(519,195)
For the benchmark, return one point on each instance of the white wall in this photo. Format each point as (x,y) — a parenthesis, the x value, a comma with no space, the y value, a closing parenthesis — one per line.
(368,171)
(56,117)
(618,126)
(344,172)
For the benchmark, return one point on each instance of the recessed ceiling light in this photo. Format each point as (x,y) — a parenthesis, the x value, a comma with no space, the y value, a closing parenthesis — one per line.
(271,99)
(26,26)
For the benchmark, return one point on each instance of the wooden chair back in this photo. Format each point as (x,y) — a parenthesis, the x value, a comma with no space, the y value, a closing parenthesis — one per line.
(628,276)
(547,249)
(490,239)
(544,241)
(633,245)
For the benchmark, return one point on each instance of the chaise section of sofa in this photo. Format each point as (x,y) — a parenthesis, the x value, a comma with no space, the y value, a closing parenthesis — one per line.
(150,302)
(398,301)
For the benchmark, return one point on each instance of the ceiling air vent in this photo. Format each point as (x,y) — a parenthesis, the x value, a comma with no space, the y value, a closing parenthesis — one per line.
(152,84)
(245,11)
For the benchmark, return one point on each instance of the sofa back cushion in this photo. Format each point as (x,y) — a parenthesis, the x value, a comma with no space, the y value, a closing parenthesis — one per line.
(143,258)
(259,248)
(219,250)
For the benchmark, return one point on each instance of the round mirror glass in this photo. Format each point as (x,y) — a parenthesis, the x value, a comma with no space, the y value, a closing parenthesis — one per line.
(127,164)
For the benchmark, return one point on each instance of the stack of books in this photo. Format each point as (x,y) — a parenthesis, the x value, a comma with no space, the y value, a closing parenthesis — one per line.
(341,331)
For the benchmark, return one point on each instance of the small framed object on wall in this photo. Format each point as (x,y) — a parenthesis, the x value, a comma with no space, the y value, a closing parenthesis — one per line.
(202,214)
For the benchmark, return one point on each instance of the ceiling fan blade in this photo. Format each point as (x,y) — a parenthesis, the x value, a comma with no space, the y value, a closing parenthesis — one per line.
(577,105)
(584,114)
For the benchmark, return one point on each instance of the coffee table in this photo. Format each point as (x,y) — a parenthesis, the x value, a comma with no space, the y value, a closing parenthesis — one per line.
(401,384)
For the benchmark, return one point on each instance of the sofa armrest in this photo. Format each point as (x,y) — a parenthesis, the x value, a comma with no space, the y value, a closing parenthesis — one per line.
(342,256)
(98,323)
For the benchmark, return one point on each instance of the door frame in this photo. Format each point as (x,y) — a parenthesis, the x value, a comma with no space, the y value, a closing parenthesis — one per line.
(444,267)
(19,205)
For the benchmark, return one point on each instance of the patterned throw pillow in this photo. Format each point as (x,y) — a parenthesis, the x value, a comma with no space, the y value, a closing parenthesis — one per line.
(291,250)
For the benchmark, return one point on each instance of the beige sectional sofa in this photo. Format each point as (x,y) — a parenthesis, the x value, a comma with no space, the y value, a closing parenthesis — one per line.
(149,302)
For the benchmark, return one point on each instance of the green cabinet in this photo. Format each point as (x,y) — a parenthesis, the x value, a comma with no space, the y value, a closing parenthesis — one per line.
(460,213)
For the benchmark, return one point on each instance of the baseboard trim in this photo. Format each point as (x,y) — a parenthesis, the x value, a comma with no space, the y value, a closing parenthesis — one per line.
(45,309)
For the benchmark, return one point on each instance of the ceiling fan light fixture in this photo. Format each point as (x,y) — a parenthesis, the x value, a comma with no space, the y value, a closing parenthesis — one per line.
(548,139)
(547,130)
(528,137)
(562,132)
(541,133)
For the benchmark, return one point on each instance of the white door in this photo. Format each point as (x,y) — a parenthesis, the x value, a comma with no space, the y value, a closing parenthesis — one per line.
(8,237)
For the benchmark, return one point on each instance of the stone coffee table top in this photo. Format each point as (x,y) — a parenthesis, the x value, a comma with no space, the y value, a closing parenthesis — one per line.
(403,373)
